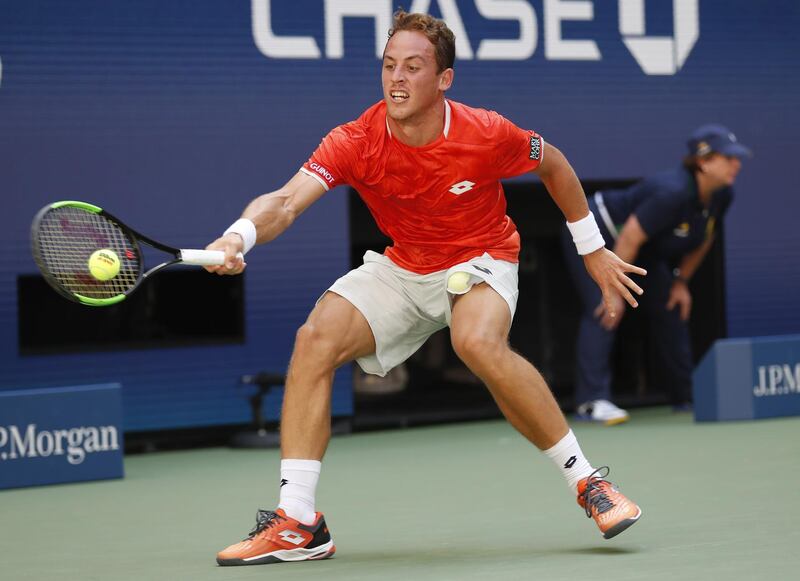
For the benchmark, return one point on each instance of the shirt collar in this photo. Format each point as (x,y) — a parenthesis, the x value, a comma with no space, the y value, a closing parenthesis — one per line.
(446,120)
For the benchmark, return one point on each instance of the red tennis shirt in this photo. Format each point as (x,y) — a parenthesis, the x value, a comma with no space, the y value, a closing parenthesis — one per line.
(442,203)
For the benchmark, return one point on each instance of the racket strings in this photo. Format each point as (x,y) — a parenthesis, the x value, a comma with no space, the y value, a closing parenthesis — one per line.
(67,238)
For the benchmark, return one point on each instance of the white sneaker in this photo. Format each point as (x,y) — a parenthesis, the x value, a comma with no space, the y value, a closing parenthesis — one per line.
(601,411)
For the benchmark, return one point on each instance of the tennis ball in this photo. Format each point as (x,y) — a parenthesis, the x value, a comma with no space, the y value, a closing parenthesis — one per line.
(457,283)
(104,264)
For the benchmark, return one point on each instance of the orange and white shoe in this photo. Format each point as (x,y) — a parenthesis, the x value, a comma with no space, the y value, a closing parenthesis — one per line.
(603,502)
(277,538)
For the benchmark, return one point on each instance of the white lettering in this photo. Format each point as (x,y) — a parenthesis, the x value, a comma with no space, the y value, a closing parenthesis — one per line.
(660,55)
(23,447)
(321,171)
(761,388)
(777,380)
(656,55)
(335,13)
(555,47)
(108,435)
(75,442)
(452,16)
(791,378)
(274,46)
(775,373)
(509,49)
(75,454)
(92,441)
(44,443)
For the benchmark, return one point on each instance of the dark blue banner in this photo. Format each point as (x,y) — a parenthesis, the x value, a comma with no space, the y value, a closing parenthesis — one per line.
(743,379)
(65,434)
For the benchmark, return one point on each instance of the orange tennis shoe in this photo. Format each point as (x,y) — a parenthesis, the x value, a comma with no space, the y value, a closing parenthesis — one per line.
(603,502)
(277,538)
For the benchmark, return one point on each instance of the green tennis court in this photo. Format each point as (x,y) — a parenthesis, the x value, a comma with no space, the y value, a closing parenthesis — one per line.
(466,501)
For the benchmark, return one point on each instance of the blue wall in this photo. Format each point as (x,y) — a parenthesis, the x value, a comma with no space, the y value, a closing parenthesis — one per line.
(169,115)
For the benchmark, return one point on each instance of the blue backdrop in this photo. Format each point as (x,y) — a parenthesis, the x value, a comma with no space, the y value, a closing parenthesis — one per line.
(174,114)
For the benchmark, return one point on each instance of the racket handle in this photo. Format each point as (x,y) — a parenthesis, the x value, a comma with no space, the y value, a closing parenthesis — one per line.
(204,257)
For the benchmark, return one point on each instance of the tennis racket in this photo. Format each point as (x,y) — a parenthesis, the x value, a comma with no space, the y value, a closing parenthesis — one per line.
(65,235)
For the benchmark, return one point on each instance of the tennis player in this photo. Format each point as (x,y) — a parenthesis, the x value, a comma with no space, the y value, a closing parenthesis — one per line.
(429,169)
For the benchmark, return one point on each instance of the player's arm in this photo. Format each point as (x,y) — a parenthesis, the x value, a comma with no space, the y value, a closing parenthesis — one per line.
(679,294)
(270,214)
(605,267)
(631,238)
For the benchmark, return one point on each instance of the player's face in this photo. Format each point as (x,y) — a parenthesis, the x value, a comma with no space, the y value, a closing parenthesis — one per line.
(411,83)
(723,169)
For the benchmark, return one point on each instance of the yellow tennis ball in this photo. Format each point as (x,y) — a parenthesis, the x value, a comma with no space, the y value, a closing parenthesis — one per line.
(104,264)
(457,283)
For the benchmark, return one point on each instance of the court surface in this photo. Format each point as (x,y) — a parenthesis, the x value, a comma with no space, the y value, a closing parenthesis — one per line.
(466,501)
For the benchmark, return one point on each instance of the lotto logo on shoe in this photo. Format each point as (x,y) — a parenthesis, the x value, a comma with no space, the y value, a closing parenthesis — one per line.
(291,536)
(461,187)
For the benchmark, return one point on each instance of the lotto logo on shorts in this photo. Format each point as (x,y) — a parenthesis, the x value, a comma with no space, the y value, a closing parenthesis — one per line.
(536,148)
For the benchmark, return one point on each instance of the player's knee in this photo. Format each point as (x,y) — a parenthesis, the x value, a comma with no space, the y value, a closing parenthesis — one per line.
(315,343)
(475,347)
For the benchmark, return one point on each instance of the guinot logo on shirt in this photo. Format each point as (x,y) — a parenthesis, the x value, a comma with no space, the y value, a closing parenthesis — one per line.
(315,167)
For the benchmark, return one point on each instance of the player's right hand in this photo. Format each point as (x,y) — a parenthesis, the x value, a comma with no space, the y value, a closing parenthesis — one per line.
(231,244)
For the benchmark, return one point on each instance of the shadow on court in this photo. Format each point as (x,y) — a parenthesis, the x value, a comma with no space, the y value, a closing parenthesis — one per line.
(463,554)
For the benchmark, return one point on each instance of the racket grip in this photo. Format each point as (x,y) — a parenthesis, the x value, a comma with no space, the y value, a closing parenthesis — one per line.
(204,257)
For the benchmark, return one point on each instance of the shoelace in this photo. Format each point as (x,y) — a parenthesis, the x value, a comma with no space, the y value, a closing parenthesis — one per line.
(593,495)
(264,520)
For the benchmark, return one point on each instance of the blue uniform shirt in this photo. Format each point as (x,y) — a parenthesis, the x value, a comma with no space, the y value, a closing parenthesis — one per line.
(668,207)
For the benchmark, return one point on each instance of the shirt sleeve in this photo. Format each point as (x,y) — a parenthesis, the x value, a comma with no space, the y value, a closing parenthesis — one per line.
(518,150)
(333,162)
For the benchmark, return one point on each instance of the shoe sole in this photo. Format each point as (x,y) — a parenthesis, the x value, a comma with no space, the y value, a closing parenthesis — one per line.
(611,422)
(325,551)
(621,526)
(616,421)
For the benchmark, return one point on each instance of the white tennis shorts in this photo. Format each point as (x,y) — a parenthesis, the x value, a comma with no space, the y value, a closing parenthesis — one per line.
(404,308)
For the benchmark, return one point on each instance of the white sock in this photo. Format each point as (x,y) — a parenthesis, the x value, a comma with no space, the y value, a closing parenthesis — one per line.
(567,455)
(298,488)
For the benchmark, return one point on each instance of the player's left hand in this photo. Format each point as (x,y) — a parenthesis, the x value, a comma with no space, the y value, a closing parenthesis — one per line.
(680,296)
(607,321)
(610,273)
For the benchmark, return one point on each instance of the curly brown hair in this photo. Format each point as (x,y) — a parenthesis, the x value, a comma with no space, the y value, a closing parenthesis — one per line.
(436,31)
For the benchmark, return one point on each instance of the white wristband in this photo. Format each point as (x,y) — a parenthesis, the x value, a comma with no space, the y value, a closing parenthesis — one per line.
(586,235)
(247,230)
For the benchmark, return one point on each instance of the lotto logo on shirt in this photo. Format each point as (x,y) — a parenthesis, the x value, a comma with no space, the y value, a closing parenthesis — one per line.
(536,148)
(314,166)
